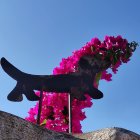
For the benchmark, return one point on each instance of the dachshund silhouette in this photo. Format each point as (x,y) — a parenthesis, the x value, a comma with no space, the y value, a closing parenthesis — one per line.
(76,83)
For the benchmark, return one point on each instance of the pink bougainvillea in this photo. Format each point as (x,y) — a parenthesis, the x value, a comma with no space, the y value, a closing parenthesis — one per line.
(54,113)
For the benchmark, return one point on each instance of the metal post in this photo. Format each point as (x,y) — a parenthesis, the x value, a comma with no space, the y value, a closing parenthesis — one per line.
(40,107)
(70,113)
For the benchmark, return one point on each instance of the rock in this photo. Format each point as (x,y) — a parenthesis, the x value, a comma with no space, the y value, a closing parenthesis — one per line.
(15,128)
(110,134)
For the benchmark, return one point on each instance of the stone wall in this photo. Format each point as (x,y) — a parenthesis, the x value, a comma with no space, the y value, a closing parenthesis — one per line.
(110,134)
(15,128)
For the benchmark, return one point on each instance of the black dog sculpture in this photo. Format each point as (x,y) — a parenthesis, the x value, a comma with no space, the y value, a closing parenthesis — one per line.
(77,83)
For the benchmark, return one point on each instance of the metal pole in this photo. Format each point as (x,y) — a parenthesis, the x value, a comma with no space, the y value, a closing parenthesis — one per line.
(70,113)
(40,107)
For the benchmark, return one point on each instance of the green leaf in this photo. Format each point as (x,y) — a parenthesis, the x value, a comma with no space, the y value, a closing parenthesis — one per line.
(44,122)
(98,77)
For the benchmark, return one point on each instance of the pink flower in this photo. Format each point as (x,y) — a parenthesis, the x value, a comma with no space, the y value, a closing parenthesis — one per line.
(55,106)
(116,66)
(106,76)
(95,42)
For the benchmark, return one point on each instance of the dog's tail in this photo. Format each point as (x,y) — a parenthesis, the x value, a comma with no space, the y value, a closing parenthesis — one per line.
(10,69)
(20,88)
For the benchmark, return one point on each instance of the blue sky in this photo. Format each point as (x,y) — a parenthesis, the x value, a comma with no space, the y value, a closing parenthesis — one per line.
(36,35)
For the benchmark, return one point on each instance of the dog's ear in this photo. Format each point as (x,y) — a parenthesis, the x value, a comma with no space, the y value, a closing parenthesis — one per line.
(83,63)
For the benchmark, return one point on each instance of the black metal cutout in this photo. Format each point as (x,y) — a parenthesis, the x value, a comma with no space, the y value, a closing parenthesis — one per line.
(77,83)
